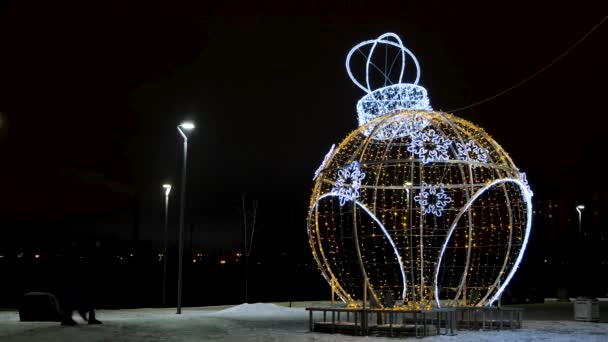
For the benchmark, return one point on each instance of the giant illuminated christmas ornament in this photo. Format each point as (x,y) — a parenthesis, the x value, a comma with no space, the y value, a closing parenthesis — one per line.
(422,206)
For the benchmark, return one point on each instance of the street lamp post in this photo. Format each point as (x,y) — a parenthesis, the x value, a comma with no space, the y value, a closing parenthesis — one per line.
(167,188)
(187,126)
(580,209)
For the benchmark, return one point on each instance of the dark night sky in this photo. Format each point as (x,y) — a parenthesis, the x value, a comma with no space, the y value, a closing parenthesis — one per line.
(90,96)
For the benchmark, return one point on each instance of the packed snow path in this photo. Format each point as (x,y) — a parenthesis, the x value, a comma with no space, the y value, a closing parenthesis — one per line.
(254,322)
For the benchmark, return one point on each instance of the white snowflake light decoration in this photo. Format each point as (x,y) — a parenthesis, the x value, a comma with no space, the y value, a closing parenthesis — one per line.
(432,199)
(348,183)
(470,151)
(429,146)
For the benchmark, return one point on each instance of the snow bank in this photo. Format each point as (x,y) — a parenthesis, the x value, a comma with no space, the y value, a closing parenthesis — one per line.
(260,310)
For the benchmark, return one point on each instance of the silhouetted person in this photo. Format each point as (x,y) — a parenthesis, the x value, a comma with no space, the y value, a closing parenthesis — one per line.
(79,285)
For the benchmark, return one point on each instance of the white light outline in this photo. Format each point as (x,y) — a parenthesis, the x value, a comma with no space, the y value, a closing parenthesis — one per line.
(353,172)
(371,53)
(322,166)
(375,42)
(384,231)
(479,192)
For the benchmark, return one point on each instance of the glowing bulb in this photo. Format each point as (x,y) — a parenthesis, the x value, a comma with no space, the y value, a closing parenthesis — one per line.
(187,125)
(167,189)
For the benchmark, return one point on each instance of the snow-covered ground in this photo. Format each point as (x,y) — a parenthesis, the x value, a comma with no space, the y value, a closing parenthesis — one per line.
(254,322)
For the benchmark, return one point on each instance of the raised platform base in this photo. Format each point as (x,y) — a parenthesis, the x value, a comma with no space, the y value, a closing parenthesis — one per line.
(418,323)
(382,322)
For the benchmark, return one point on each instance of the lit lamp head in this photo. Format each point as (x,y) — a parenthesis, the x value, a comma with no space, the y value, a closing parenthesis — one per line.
(167,189)
(185,126)
(580,208)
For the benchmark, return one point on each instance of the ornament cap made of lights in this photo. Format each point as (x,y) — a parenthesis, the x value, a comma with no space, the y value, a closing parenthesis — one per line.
(395,95)
(422,206)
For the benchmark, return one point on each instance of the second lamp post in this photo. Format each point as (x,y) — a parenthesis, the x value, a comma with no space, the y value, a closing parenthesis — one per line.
(184,126)
(167,188)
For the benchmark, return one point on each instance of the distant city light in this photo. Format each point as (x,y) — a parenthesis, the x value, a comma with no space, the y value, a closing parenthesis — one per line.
(222,262)
(37,256)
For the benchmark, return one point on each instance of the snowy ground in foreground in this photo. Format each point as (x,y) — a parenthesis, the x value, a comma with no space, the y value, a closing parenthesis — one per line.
(254,322)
